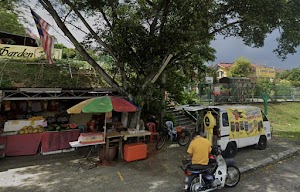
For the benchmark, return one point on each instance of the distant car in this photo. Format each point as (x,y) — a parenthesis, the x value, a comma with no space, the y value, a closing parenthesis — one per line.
(233,126)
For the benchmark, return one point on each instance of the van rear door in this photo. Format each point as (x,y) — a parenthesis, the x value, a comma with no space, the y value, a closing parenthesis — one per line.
(267,126)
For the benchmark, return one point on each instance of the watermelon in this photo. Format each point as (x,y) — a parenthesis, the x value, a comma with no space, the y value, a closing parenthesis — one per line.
(72,125)
(58,128)
(51,128)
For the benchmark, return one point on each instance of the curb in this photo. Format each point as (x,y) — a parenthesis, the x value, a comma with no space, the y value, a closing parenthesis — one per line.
(270,160)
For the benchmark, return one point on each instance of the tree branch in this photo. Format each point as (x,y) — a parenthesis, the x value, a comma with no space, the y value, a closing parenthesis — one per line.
(78,28)
(108,49)
(67,15)
(105,18)
(165,12)
(224,27)
(153,77)
(48,6)
(154,23)
(91,30)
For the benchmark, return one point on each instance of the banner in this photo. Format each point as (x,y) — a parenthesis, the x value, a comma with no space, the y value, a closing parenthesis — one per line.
(245,122)
(27,52)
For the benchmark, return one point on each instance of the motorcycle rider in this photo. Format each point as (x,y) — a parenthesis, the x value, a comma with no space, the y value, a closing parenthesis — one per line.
(199,149)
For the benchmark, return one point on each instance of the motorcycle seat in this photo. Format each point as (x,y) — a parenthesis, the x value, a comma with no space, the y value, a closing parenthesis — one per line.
(198,167)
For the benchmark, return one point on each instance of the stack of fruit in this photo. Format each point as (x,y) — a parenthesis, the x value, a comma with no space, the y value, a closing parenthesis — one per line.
(36,118)
(30,129)
(61,127)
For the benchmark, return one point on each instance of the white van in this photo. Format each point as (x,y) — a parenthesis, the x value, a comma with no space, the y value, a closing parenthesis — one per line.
(233,126)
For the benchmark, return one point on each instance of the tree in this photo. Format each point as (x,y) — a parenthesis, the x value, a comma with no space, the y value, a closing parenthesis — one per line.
(142,36)
(241,68)
(292,75)
(9,19)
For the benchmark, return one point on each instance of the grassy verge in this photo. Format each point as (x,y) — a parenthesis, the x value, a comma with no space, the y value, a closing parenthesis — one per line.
(285,119)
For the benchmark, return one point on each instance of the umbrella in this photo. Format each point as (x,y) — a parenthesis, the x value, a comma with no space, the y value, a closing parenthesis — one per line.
(102,105)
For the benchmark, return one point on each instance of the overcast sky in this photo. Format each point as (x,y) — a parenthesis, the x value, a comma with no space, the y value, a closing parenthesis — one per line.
(227,50)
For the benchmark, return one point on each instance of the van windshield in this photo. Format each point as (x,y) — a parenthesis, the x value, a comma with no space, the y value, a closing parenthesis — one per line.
(225,121)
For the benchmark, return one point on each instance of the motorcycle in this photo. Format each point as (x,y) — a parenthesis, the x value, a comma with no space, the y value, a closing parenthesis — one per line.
(217,174)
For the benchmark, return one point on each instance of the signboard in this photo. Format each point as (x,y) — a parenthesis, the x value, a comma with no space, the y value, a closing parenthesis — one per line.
(246,122)
(18,51)
(266,72)
(209,80)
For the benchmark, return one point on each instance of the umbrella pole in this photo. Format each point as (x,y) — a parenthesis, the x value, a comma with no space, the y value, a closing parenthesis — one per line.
(104,128)
(104,134)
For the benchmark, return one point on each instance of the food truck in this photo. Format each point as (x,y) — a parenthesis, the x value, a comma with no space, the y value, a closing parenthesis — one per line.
(233,126)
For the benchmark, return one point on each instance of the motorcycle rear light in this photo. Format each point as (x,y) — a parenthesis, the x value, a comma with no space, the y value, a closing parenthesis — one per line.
(188,173)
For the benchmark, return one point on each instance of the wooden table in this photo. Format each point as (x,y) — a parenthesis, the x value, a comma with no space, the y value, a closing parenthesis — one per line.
(127,134)
(111,137)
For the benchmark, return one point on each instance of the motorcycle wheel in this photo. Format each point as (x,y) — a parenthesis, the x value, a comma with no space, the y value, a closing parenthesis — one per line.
(233,176)
(161,141)
(184,137)
(194,181)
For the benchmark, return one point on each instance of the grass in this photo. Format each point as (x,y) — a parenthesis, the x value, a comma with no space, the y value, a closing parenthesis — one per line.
(284,119)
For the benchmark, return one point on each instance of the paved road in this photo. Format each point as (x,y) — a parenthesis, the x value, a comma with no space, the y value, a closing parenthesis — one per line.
(160,172)
(282,176)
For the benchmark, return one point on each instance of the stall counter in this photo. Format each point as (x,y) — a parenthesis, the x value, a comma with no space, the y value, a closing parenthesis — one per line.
(27,144)
(54,140)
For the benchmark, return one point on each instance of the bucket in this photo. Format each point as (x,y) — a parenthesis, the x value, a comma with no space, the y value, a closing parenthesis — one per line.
(112,151)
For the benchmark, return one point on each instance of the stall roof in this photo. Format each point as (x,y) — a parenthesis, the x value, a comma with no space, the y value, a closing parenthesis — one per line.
(25,94)
(14,39)
(194,108)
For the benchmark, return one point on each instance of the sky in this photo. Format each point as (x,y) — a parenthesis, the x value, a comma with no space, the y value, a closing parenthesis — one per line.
(227,50)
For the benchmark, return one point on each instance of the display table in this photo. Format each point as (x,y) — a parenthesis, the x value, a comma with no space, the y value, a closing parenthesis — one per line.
(54,140)
(76,144)
(27,144)
(126,134)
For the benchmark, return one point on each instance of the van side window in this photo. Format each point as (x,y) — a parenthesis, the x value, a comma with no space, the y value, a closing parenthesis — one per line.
(225,121)
(264,116)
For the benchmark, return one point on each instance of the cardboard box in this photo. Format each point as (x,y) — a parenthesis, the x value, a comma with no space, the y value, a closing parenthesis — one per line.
(135,151)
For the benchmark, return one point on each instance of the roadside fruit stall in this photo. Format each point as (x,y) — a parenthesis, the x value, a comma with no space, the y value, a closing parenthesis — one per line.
(28,137)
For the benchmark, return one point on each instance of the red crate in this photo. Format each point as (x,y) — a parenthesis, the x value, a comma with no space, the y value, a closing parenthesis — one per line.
(135,151)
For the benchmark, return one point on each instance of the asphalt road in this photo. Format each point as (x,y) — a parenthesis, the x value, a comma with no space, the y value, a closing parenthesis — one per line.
(282,176)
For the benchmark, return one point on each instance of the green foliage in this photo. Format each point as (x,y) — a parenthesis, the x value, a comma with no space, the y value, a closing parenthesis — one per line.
(138,35)
(264,86)
(241,68)
(33,74)
(9,23)
(284,119)
(292,75)
(169,117)
(190,97)
(68,53)
(283,89)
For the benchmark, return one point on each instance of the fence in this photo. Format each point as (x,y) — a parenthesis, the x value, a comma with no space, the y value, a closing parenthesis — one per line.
(276,95)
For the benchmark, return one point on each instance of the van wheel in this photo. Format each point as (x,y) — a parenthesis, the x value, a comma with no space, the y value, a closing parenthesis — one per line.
(230,150)
(262,142)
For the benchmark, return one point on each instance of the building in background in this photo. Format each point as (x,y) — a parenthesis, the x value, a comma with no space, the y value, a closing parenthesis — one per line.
(260,71)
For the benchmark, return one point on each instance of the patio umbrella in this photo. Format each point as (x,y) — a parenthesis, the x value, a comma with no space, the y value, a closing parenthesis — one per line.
(102,105)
